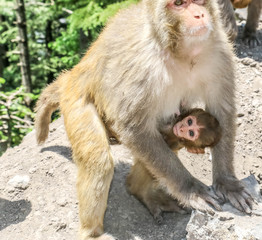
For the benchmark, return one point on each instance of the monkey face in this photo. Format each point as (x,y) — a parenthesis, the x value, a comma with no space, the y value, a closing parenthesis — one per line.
(194,18)
(187,128)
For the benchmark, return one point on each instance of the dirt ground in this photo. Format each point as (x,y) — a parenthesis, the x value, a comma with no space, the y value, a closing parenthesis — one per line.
(43,203)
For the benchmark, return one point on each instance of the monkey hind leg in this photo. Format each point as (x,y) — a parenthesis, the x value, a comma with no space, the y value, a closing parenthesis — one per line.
(45,106)
(146,188)
(91,152)
(169,204)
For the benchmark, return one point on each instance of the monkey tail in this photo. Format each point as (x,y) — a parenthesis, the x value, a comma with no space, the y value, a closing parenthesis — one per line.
(45,106)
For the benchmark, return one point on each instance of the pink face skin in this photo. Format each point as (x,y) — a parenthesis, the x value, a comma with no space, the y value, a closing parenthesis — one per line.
(196,19)
(187,128)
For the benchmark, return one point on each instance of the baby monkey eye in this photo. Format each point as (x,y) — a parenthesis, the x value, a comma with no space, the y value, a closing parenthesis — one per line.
(191,133)
(189,122)
(178,2)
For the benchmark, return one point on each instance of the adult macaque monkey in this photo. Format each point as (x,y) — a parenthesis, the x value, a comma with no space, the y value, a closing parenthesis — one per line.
(148,59)
(228,17)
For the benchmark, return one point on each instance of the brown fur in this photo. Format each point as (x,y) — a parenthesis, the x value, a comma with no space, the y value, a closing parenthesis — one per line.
(240,3)
(153,195)
(145,187)
(133,76)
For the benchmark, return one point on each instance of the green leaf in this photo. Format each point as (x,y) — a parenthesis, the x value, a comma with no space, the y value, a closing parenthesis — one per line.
(2,81)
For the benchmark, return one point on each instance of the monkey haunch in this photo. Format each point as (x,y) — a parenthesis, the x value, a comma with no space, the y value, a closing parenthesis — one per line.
(194,129)
(148,59)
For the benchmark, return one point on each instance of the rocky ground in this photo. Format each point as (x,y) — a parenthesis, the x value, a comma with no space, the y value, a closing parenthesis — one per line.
(37,183)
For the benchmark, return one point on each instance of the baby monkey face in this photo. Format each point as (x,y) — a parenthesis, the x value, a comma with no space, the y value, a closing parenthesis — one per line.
(187,128)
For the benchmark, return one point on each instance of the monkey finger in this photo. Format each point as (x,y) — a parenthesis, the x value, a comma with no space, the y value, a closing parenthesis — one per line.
(200,150)
(254,42)
(191,150)
(213,194)
(220,195)
(214,203)
(247,192)
(201,205)
(249,199)
(233,199)
(243,204)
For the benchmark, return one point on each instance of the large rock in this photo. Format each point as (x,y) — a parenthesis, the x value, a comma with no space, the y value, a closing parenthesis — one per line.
(230,223)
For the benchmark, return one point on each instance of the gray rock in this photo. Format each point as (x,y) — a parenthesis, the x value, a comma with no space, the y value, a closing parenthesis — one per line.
(230,223)
(247,61)
(20,182)
(62,202)
(257,84)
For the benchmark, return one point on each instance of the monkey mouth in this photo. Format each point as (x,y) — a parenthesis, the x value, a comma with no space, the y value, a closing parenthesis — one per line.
(199,31)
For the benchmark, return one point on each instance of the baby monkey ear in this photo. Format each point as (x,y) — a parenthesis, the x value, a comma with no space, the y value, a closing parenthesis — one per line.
(196,150)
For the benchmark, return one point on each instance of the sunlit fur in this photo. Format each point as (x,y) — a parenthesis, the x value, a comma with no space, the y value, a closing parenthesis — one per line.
(133,77)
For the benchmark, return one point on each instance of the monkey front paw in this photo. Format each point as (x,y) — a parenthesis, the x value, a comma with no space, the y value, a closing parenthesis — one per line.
(203,198)
(232,190)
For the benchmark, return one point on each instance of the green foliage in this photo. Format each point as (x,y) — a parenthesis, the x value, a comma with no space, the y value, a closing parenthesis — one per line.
(16,119)
(65,51)
(95,15)
(54,30)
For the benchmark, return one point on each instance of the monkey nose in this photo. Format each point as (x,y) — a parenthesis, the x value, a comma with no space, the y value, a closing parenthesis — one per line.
(199,15)
(182,128)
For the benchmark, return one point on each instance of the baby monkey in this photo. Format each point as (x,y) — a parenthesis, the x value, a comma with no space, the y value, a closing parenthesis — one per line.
(194,129)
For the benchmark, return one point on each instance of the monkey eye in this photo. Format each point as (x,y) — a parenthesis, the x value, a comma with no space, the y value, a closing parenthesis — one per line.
(189,122)
(191,133)
(178,2)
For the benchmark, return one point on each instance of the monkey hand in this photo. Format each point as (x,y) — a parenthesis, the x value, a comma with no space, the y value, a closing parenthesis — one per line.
(229,188)
(202,197)
(196,150)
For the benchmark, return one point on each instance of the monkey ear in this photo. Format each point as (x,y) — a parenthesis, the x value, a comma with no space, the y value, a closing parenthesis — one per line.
(196,150)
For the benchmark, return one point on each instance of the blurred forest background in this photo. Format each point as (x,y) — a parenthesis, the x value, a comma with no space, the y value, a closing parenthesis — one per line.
(39,39)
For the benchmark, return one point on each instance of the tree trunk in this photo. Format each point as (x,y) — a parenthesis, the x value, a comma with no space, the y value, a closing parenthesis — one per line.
(23,46)
(2,53)
(48,39)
